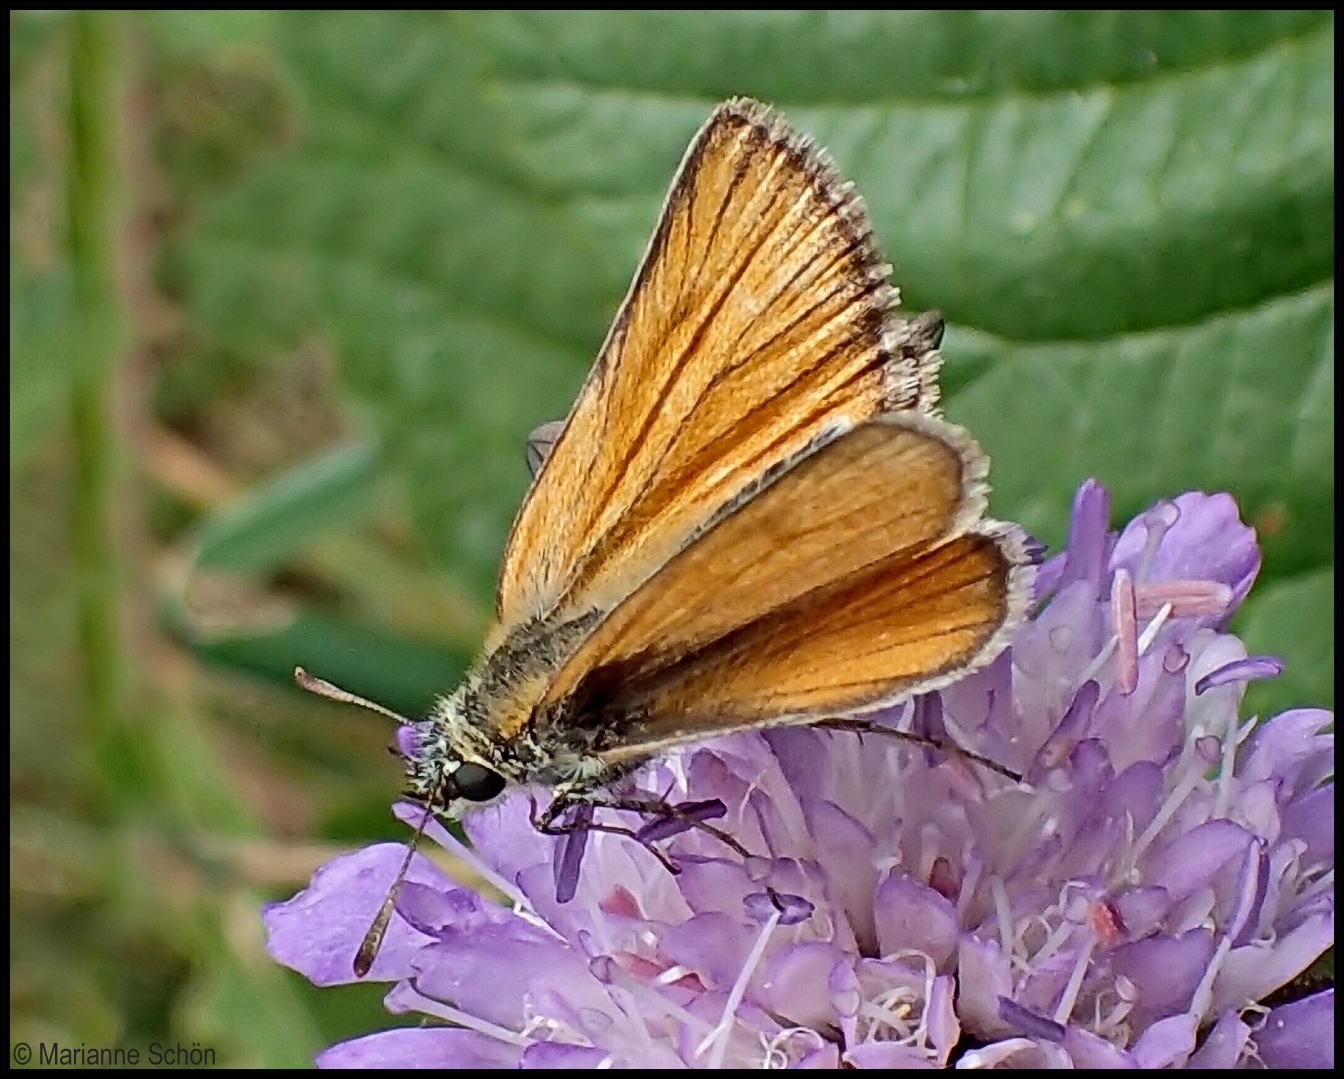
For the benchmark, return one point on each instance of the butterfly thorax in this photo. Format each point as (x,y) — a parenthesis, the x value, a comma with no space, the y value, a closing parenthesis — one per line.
(495,717)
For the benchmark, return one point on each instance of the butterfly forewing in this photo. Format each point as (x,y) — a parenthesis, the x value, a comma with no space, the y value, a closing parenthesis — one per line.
(758,322)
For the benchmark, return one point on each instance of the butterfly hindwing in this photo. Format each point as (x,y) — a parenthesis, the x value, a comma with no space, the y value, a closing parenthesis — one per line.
(863,574)
(901,483)
(904,626)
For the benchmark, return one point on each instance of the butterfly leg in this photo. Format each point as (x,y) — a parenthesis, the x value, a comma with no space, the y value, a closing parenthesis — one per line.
(668,819)
(658,812)
(867,726)
(548,822)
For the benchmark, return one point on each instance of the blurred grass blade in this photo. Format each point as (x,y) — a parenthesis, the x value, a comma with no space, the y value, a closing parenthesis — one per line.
(399,673)
(226,617)
(94,225)
(275,520)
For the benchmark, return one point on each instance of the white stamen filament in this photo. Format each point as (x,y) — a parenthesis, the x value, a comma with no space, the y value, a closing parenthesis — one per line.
(1030,823)
(1151,630)
(438,1008)
(1202,998)
(1053,942)
(1247,729)
(719,1036)
(1118,864)
(896,1005)
(644,992)
(1109,1024)
(629,1007)
(776,1056)
(823,922)
(1222,800)
(1099,661)
(1025,936)
(1056,937)
(557,1030)
(672,974)
(930,977)
(1190,778)
(1070,995)
(889,1010)
(992,1055)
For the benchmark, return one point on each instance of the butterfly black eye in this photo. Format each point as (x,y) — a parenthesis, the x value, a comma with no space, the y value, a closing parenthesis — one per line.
(476,783)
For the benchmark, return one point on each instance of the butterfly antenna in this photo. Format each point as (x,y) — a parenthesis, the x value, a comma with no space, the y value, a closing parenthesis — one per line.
(373,939)
(322,688)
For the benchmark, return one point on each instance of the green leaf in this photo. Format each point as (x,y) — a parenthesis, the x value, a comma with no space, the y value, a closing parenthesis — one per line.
(1293,618)
(850,56)
(1126,216)
(192,29)
(1232,403)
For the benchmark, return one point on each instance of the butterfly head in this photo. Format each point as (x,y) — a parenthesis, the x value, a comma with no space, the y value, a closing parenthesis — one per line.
(449,784)
(443,770)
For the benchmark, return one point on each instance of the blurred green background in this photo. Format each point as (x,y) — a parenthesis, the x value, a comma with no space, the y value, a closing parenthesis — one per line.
(287,291)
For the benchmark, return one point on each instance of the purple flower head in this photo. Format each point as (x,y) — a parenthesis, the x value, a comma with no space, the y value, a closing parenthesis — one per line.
(1164,866)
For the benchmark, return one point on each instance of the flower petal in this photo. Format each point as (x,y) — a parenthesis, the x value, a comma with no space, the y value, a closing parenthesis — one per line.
(713,945)
(1168,1041)
(1206,541)
(984,976)
(852,872)
(1088,1050)
(1150,873)
(912,916)
(503,835)
(318,931)
(561,1055)
(1255,971)
(1165,970)
(886,1055)
(796,983)
(1300,1034)
(1290,749)
(487,971)
(1089,543)
(1311,818)
(421,1047)
(1224,1045)
(1189,862)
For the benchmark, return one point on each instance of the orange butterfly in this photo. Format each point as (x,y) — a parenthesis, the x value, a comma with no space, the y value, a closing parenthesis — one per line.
(752,516)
